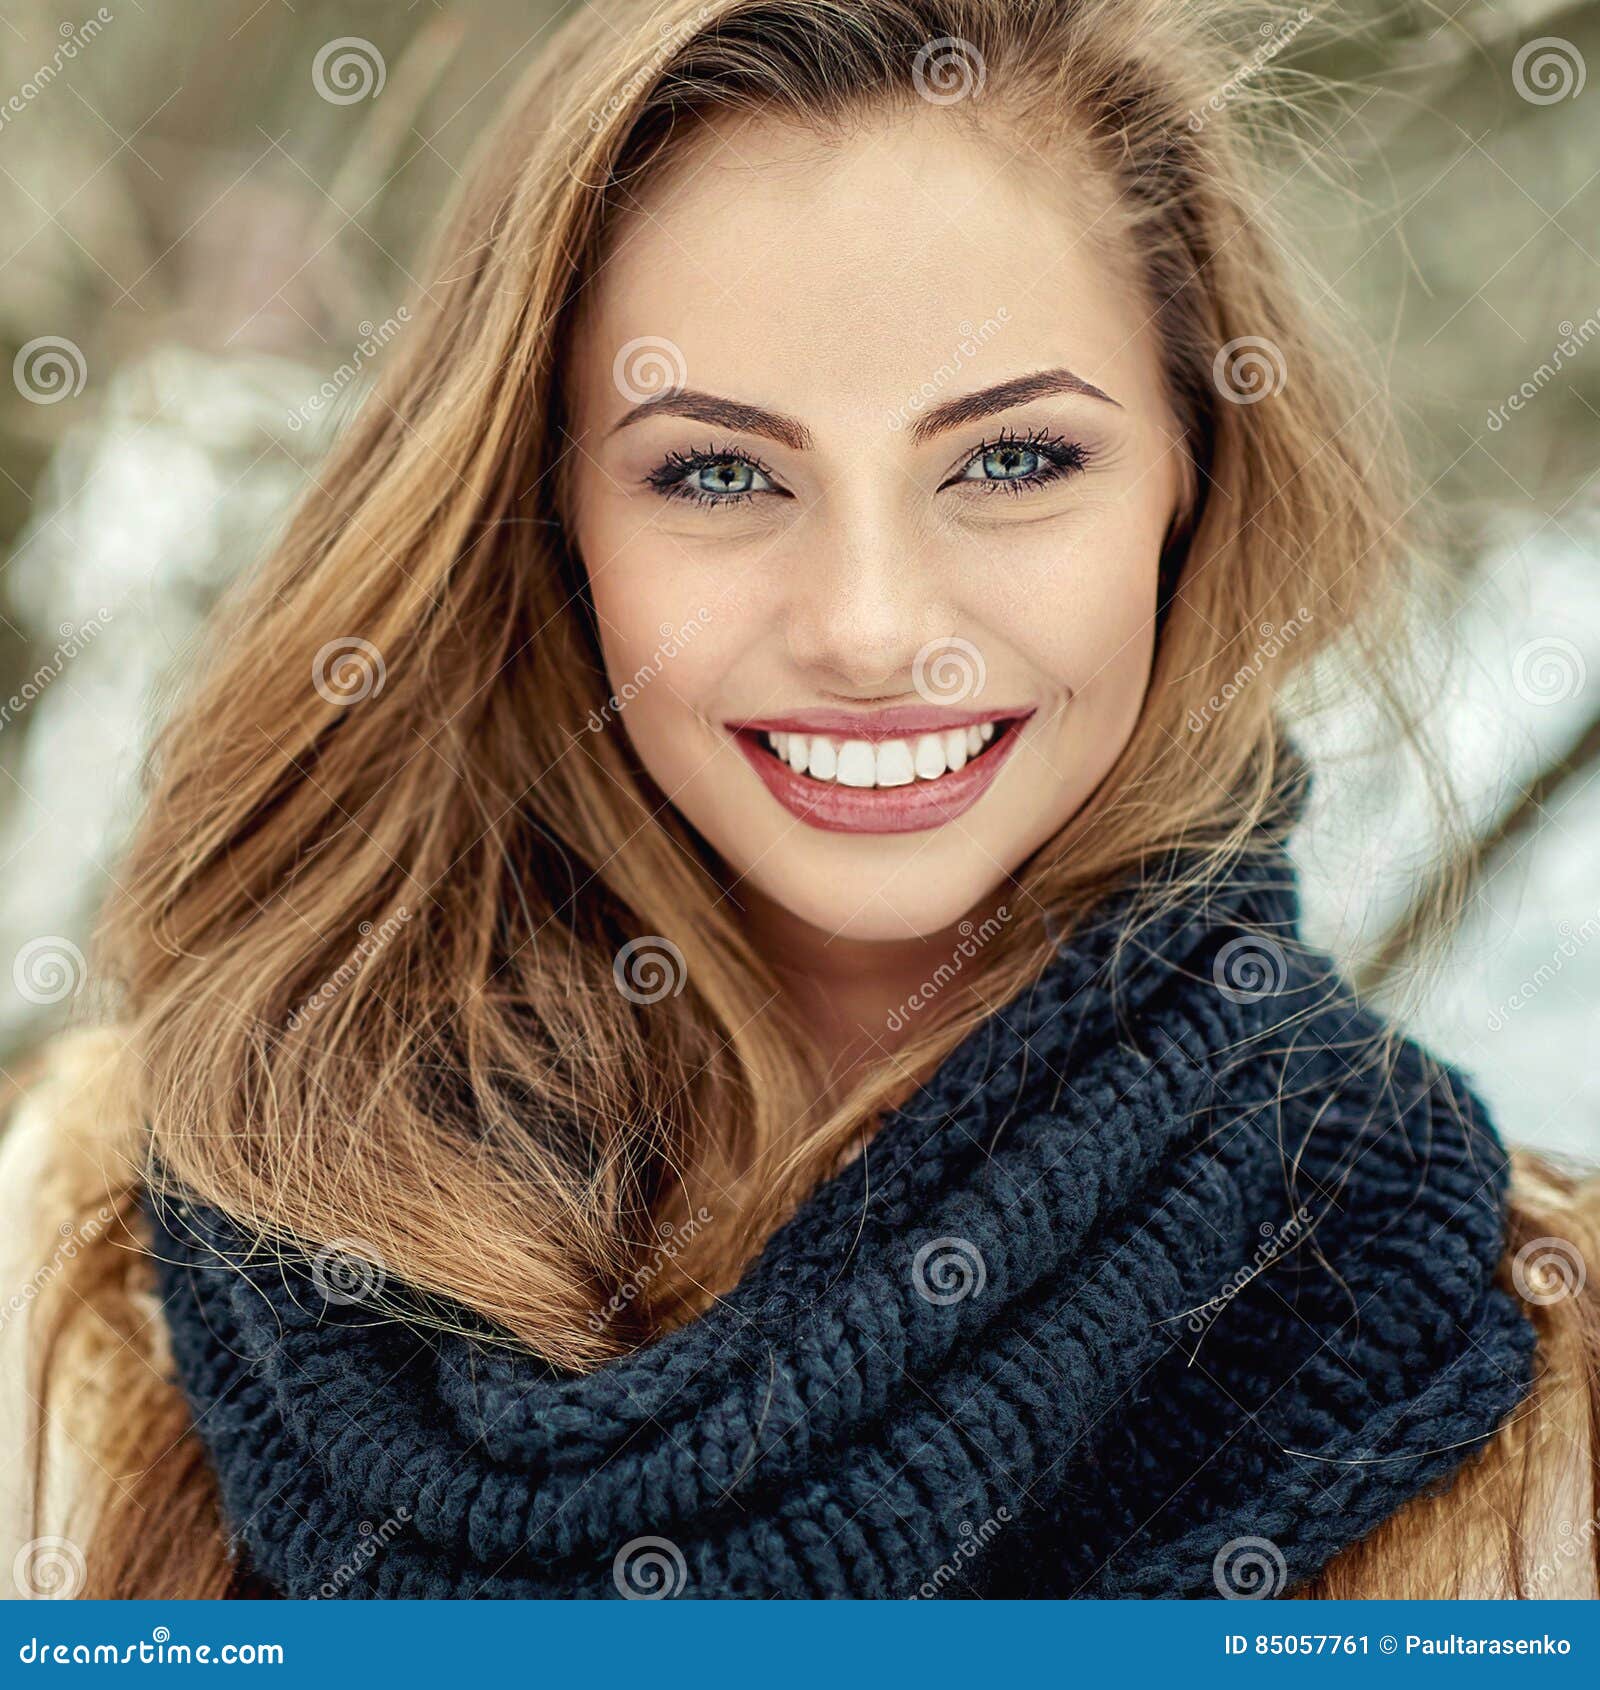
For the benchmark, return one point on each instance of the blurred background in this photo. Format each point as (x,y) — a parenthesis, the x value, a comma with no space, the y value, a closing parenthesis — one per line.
(209,220)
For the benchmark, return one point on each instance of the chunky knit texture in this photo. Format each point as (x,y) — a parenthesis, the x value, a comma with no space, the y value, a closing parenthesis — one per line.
(1176,1278)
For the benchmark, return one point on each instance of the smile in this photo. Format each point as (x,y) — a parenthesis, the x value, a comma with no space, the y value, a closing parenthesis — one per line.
(899,772)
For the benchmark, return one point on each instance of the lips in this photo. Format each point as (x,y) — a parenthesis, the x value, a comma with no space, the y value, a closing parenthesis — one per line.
(898,771)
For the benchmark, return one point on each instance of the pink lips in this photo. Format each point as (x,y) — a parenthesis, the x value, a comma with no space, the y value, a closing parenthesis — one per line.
(892,809)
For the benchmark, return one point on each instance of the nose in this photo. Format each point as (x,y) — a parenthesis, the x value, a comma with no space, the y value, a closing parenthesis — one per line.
(862,603)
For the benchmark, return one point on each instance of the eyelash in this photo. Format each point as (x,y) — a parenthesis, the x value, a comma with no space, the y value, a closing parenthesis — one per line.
(670,475)
(1060,458)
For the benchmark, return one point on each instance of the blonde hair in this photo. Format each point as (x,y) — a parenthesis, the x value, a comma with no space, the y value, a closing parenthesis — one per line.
(477,1103)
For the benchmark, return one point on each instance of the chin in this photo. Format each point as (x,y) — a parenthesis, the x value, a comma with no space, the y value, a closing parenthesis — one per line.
(884,888)
(915,901)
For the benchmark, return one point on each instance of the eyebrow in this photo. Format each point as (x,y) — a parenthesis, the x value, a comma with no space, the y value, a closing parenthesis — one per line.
(787,431)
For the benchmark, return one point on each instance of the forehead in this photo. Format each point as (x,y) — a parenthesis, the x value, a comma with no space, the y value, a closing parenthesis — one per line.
(781,264)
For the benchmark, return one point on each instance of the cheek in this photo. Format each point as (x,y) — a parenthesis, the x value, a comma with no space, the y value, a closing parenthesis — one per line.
(1078,604)
(669,635)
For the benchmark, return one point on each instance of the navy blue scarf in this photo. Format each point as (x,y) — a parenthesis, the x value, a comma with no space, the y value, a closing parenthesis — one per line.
(1174,1280)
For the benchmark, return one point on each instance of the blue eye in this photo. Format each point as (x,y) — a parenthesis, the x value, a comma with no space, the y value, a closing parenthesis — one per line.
(711,477)
(1015,464)
(1003,463)
(731,475)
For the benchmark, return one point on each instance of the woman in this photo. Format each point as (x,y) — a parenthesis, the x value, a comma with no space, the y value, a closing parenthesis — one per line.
(711,1000)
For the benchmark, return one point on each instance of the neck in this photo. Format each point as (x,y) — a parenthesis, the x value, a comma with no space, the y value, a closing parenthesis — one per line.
(860,1000)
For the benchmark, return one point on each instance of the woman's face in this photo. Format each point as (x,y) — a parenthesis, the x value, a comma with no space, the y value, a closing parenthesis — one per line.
(872,472)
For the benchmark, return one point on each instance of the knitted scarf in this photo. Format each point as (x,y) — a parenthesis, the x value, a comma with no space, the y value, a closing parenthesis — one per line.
(1176,1278)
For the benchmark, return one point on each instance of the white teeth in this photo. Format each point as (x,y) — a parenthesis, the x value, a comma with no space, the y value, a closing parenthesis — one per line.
(894,763)
(929,757)
(881,763)
(857,765)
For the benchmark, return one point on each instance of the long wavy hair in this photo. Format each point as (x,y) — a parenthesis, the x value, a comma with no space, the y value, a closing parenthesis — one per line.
(365,937)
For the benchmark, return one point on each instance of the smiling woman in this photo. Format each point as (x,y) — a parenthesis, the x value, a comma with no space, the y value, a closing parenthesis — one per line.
(957,610)
(842,1063)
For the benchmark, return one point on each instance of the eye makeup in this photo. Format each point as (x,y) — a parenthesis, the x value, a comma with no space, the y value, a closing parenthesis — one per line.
(675,476)
(1024,461)
(1012,462)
